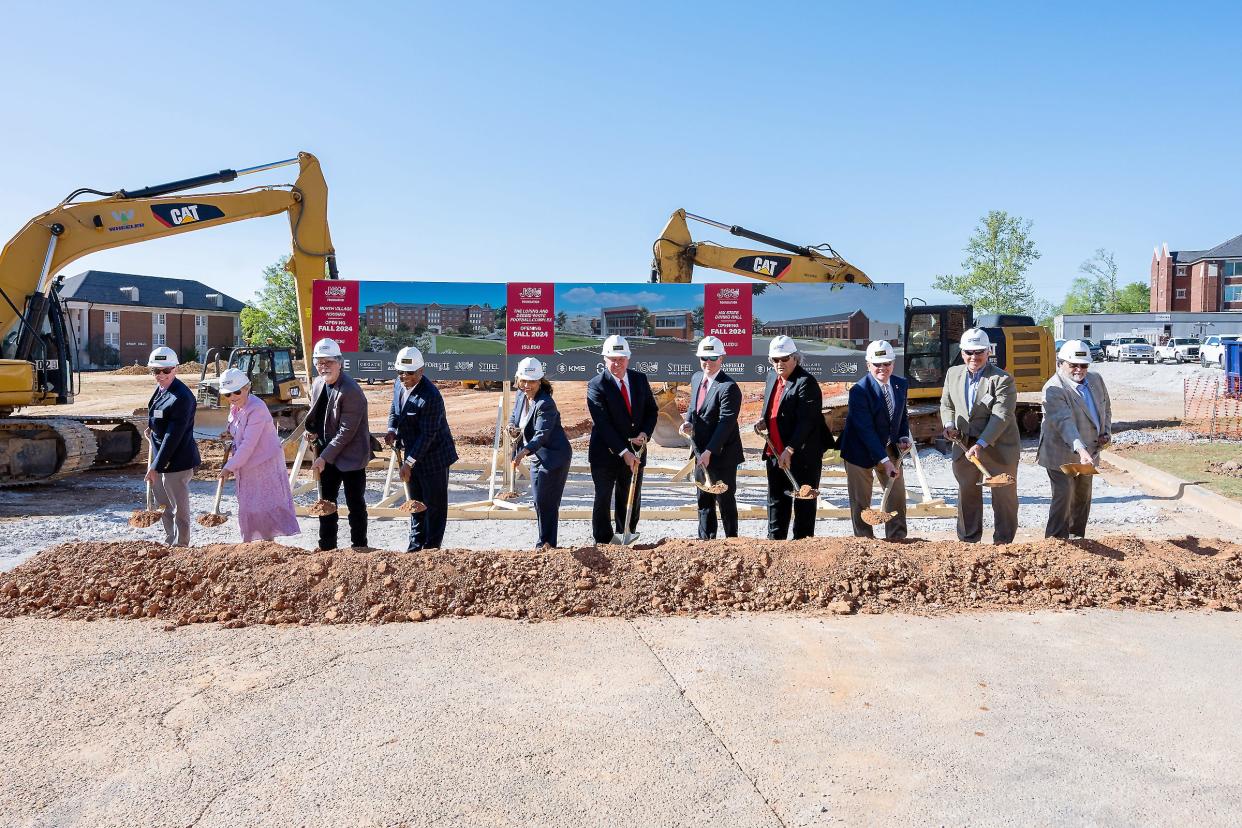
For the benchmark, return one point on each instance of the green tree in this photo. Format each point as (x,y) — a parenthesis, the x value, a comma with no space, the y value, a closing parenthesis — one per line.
(994,271)
(273,313)
(1134,298)
(642,321)
(699,321)
(501,317)
(1100,277)
(562,319)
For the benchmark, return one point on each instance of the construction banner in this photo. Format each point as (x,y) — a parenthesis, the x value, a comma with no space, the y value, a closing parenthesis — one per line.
(479,330)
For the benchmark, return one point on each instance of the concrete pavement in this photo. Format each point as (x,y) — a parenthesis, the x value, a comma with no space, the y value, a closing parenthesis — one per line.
(1008,718)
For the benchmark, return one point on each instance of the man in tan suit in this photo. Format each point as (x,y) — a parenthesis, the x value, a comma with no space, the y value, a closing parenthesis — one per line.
(1078,422)
(978,408)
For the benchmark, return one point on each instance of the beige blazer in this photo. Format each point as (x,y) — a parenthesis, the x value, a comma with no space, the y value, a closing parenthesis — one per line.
(1066,419)
(993,418)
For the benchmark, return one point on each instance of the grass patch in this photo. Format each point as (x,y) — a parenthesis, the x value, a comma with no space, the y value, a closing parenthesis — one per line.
(1191,462)
(468,345)
(564,340)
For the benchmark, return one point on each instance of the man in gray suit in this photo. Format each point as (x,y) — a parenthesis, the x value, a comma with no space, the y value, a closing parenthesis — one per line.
(978,407)
(1078,422)
(337,425)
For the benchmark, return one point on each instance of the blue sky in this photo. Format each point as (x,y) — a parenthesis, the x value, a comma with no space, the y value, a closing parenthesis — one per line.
(478,141)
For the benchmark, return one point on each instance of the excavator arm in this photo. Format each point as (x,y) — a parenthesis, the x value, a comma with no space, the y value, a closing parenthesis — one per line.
(72,229)
(676,254)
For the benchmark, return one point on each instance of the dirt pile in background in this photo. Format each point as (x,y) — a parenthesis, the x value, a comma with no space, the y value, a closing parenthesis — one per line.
(274,584)
(132,370)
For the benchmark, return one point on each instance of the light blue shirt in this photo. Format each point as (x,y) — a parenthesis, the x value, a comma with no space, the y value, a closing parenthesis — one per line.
(1084,392)
(972,387)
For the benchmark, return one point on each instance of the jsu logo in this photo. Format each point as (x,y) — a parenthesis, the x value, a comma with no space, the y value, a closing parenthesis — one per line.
(729,293)
(335,290)
(530,292)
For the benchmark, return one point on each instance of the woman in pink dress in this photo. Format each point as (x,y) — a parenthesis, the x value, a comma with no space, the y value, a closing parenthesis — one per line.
(264,504)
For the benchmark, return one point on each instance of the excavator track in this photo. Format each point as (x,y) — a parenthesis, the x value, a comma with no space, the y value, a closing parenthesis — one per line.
(43,450)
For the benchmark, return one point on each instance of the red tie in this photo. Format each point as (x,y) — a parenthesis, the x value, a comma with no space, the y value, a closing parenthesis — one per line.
(625,395)
(698,404)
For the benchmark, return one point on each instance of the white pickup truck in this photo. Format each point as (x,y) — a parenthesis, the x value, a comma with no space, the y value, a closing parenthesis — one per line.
(1178,349)
(1130,349)
(1212,351)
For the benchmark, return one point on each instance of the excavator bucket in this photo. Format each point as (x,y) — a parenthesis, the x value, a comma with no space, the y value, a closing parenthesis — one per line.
(670,417)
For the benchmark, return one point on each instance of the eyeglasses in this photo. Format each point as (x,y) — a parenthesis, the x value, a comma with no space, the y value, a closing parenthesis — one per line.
(779,360)
(155,372)
(321,362)
(974,353)
(709,359)
(227,393)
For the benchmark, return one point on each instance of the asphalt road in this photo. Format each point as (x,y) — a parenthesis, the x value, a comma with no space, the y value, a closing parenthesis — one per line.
(776,720)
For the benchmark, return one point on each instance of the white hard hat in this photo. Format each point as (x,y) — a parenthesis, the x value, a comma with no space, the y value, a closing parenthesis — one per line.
(710,347)
(163,357)
(880,351)
(615,346)
(1075,351)
(530,369)
(409,358)
(233,380)
(975,339)
(782,346)
(326,348)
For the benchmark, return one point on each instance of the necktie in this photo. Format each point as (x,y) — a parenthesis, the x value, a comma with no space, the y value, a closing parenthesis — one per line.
(888,399)
(625,395)
(1087,402)
(698,404)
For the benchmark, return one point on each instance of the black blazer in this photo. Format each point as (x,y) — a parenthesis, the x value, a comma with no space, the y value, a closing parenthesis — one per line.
(799,419)
(543,436)
(421,427)
(170,416)
(715,425)
(611,425)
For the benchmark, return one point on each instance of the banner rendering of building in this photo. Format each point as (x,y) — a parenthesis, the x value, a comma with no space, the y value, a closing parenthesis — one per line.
(479,330)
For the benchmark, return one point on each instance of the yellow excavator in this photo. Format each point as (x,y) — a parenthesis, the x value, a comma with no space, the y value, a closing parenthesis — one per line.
(930,334)
(37,353)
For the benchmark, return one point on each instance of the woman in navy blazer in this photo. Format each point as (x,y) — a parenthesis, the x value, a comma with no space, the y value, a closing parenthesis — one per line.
(535,427)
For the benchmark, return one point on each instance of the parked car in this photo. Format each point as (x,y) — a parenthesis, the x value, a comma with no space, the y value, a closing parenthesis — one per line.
(1131,349)
(1212,351)
(1097,351)
(1178,349)
(1104,343)
(1057,343)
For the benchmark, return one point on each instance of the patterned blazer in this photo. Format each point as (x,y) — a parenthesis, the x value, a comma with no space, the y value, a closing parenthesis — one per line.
(422,429)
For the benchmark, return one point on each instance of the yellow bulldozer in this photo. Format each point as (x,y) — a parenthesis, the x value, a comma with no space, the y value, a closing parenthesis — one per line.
(37,352)
(930,335)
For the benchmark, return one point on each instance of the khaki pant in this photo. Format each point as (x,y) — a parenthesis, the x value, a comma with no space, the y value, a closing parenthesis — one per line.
(858,482)
(172,491)
(970,501)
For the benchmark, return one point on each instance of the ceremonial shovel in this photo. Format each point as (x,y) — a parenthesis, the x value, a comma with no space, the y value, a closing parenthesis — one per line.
(214,517)
(626,538)
(142,518)
(804,492)
(991,480)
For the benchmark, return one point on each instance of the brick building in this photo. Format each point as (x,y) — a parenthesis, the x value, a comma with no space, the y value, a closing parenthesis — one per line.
(118,318)
(435,317)
(1198,281)
(673,324)
(853,325)
(622,321)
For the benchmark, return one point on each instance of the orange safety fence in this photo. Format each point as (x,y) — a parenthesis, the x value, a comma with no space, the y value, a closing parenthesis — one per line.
(1208,410)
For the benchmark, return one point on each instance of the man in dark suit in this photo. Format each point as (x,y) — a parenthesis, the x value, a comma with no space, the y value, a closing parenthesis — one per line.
(623,415)
(419,428)
(337,425)
(174,452)
(794,423)
(876,431)
(711,423)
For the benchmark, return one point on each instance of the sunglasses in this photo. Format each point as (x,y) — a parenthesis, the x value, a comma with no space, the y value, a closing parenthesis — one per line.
(709,359)
(227,393)
(974,353)
(779,360)
(155,372)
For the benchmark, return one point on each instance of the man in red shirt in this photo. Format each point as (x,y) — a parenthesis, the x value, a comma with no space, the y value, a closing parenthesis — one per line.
(795,426)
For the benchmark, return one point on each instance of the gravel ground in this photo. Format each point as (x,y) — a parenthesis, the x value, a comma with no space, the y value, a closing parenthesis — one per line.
(1119,508)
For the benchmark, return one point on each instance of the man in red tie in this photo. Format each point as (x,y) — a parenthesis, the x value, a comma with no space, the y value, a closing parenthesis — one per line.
(623,415)
(711,423)
(794,424)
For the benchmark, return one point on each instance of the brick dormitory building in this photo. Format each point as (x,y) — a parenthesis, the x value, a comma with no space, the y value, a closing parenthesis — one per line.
(117,318)
(434,317)
(1197,281)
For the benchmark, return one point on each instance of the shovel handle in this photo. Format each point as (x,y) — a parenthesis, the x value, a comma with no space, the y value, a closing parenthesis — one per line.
(787,472)
(215,508)
(974,460)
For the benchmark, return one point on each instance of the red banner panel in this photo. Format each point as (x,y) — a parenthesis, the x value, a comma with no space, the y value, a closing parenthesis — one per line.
(530,321)
(335,314)
(727,316)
